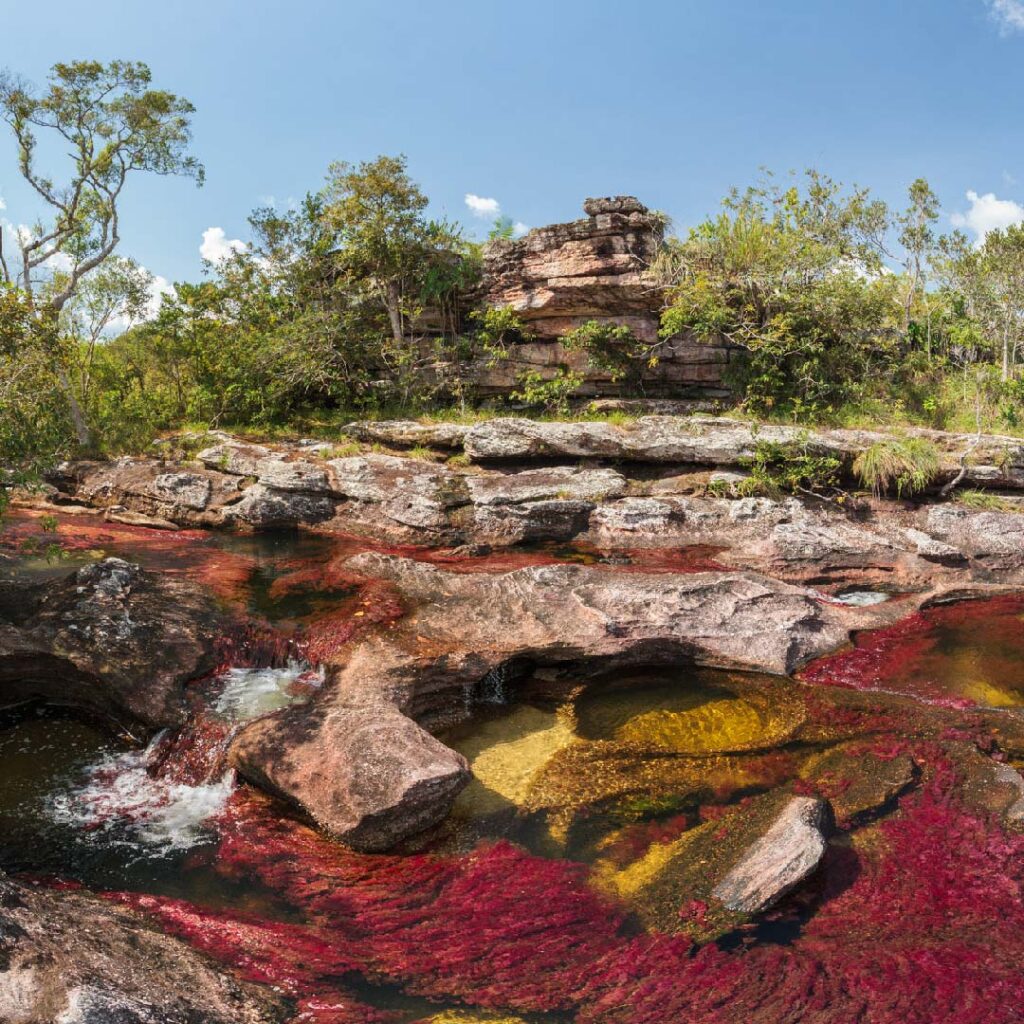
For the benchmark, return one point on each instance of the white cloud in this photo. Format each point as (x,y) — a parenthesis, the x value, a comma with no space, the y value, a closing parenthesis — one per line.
(60,261)
(3,205)
(988,213)
(1008,15)
(481,206)
(217,247)
(519,228)
(159,287)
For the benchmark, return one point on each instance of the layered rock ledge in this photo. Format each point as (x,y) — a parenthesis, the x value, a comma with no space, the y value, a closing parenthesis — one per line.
(110,639)
(649,484)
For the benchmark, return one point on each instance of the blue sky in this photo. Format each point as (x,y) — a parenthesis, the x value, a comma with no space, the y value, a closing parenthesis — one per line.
(538,103)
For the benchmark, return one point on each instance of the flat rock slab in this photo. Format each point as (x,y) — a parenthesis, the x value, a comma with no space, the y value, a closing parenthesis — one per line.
(782,858)
(407,433)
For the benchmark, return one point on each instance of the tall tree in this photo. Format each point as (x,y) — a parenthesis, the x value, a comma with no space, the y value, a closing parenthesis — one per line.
(376,212)
(111,124)
(917,237)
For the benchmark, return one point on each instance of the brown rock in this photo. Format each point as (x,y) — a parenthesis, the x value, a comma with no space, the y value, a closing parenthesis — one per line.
(457,629)
(777,862)
(368,775)
(111,638)
(73,958)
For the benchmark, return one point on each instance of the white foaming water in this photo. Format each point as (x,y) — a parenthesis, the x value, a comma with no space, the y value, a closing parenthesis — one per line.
(250,692)
(122,804)
(861,598)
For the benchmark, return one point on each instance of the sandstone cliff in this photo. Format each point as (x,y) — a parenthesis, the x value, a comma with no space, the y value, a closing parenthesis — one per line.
(596,268)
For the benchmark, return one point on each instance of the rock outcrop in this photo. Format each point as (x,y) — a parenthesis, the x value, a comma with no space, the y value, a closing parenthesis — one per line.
(111,639)
(658,482)
(70,958)
(370,776)
(355,761)
(597,268)
(457,629)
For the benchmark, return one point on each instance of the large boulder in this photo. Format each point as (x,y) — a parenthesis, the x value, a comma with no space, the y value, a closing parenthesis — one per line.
(368,775)
(110,638)
(268,508)
(995,539)
(397,494)
(70,958)
(152,487)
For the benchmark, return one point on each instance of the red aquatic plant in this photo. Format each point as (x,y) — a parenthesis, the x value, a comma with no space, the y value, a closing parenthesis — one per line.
(912,656)
(924,925)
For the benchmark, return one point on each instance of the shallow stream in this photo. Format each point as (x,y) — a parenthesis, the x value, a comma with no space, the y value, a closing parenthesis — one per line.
(563,886)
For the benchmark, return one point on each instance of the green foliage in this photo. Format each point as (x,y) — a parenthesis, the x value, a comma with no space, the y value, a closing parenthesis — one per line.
(904,466)
(615,349)
(495,328)
(503,230)
(794,277)
(985,501)
(111,124)
(778,468)
(382,240)
(551,394)
(35,422)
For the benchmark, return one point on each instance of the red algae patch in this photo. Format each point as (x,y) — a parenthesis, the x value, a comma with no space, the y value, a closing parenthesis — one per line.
(958,655)
(922,925)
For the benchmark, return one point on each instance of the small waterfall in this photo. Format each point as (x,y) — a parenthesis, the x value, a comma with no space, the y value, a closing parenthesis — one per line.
(161,798)
(497,685)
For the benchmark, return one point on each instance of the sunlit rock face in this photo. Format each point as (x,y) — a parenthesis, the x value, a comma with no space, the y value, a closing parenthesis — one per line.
(564,614)
(370,776)
(597,268)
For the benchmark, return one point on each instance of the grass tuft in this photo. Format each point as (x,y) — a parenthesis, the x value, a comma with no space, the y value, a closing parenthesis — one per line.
(900,466)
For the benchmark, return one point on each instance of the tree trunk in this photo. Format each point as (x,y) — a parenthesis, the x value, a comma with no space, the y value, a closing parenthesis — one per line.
(77,416)
(393,302)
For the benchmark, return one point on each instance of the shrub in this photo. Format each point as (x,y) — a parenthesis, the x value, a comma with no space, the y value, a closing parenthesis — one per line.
(550,394)
(985,500)
(904,466)
(787,467)
(615,349)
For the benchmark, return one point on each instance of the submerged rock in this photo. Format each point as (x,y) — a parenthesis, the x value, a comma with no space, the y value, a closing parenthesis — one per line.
(111,638)
(70,958)
(782,858)
(368,775)
(857,781)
